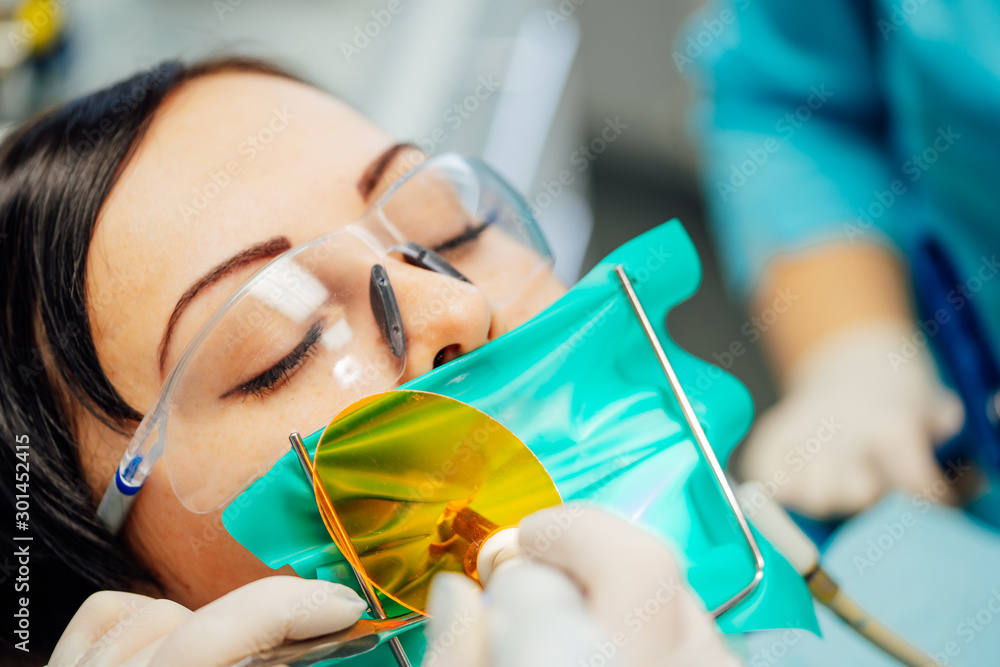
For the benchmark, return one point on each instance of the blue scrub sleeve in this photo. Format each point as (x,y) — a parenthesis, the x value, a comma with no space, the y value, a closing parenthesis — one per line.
(790,122)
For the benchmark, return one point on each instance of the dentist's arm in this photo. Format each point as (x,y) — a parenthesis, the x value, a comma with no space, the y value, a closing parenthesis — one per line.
(829,289)
(803,196)
(863,406)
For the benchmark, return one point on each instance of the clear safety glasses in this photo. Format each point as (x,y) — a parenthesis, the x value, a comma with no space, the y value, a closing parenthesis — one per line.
(321,326)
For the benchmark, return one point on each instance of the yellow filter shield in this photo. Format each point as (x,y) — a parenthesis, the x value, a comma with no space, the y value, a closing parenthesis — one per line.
(411,483)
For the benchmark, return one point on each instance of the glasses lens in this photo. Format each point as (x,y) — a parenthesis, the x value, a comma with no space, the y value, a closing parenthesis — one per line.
(463,211)
(296,345)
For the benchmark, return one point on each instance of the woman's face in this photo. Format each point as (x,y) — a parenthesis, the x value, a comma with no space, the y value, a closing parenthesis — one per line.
(235,169)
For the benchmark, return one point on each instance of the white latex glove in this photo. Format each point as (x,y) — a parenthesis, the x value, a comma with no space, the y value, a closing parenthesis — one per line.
(860,415)
(596,591)
(123,629)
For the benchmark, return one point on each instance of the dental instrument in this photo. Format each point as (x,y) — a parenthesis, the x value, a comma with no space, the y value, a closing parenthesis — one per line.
(368,634)
(364,636)
(352,641)
(779,528)
(701,439)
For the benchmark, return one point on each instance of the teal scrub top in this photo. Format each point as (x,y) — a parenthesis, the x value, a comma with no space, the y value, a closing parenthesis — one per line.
(851,121)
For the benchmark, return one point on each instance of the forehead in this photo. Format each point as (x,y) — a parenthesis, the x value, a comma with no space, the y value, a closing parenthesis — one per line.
(229,160)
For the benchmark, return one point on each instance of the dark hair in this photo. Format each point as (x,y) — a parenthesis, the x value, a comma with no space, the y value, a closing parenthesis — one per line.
(56,171)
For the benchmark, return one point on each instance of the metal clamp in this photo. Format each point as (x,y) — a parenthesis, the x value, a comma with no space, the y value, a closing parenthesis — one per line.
(702,441)
(366,588)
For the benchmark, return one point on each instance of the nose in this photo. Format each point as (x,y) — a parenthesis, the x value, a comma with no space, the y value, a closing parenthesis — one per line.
(443,317)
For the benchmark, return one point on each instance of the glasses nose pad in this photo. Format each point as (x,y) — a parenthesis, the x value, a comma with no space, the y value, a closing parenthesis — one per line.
(417,255)
(386,311)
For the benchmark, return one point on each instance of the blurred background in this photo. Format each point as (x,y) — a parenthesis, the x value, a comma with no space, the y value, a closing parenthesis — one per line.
(578,102)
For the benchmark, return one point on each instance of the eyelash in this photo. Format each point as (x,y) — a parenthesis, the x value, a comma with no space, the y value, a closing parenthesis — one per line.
(281,372)
(277,375)
(469,235)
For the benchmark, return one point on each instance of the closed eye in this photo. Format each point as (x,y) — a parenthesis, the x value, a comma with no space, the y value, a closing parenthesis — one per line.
(278,374)
(470,234)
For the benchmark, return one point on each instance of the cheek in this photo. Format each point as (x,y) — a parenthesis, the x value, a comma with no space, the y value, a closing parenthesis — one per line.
(191,555)
(516,279)
(539,293)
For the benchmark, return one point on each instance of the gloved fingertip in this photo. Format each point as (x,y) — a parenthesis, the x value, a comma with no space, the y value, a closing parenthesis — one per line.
(454,633)
(946,416)
(340,592)
(540,531)
(449,589)
(936,489)
(856,498)
(327,608)
(72,645)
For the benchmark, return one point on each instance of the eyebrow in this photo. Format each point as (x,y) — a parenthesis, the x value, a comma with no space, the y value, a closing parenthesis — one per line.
(271,248)
(373,174)
(255,253)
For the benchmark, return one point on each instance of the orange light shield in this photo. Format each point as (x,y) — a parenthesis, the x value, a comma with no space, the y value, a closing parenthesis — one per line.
(411,483)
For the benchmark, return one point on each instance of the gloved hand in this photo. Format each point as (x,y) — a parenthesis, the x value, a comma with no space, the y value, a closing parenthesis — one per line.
(861,414)
(595,591)
(113,628)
